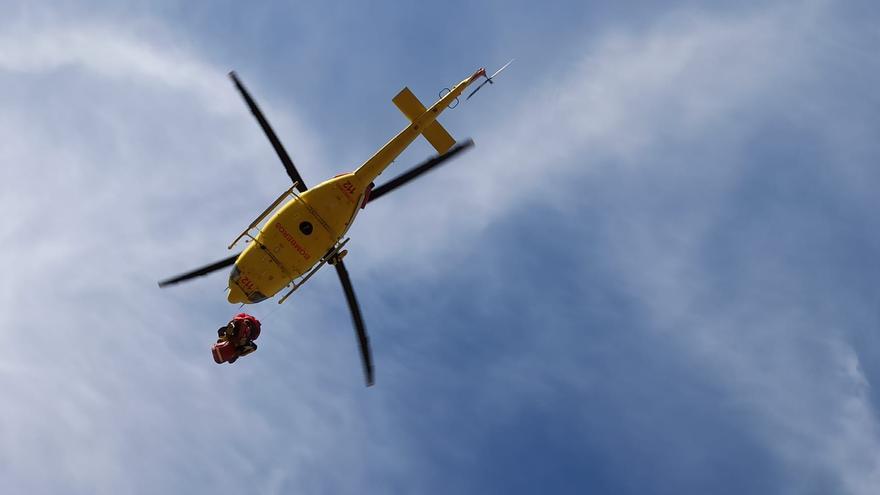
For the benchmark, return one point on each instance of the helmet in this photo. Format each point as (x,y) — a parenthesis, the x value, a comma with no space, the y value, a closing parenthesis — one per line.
(250,322)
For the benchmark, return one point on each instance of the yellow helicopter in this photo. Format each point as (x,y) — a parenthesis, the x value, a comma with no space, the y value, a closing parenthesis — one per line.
(305,228)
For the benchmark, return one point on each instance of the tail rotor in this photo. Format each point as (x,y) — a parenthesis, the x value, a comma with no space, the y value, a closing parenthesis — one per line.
(488,79)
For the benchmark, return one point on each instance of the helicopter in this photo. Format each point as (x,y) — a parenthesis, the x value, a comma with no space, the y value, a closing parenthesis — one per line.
(304,228)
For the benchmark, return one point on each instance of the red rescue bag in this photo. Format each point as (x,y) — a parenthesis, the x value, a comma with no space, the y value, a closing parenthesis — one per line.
(223,352)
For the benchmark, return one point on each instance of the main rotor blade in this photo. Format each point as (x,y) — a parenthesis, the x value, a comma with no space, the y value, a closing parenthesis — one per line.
(200,271)
(276,143)
(357,319)
(419,170)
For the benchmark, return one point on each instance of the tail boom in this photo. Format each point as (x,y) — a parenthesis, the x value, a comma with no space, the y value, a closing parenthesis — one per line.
(422,121)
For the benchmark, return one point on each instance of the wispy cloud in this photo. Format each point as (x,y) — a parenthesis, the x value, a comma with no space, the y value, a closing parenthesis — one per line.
(122,144)
(642,155)
(667,122)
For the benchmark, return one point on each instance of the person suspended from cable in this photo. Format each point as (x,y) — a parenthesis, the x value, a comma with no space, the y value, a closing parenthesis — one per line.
(236,339)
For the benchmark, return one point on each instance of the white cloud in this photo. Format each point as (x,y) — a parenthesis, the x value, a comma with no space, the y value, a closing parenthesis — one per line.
(664,117)
(628,95)
(111,388)
(683,94)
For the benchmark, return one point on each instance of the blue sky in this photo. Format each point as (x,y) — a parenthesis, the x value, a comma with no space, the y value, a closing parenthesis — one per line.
(655,273)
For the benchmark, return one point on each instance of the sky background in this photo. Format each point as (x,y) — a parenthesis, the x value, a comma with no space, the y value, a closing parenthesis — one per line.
(656,273)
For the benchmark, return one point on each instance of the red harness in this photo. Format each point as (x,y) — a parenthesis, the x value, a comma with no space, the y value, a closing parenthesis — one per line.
(247,329)
(247,325)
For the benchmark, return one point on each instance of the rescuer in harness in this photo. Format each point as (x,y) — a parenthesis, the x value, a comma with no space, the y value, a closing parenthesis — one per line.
(236,339)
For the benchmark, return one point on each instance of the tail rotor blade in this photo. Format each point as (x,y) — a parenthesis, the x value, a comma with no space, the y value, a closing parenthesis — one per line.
(200,271)
(419,170)
(472,93)
(276,143)
(358,321)
(501,69)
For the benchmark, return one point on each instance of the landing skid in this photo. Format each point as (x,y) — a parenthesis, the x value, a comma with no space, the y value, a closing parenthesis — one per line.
(330,257)
(247,231)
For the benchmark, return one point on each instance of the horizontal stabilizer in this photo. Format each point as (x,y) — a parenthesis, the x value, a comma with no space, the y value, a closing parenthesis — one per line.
(407,103)
(410,106)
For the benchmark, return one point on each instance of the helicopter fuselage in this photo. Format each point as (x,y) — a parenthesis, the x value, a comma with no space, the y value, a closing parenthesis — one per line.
(305,230)
(295,238)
